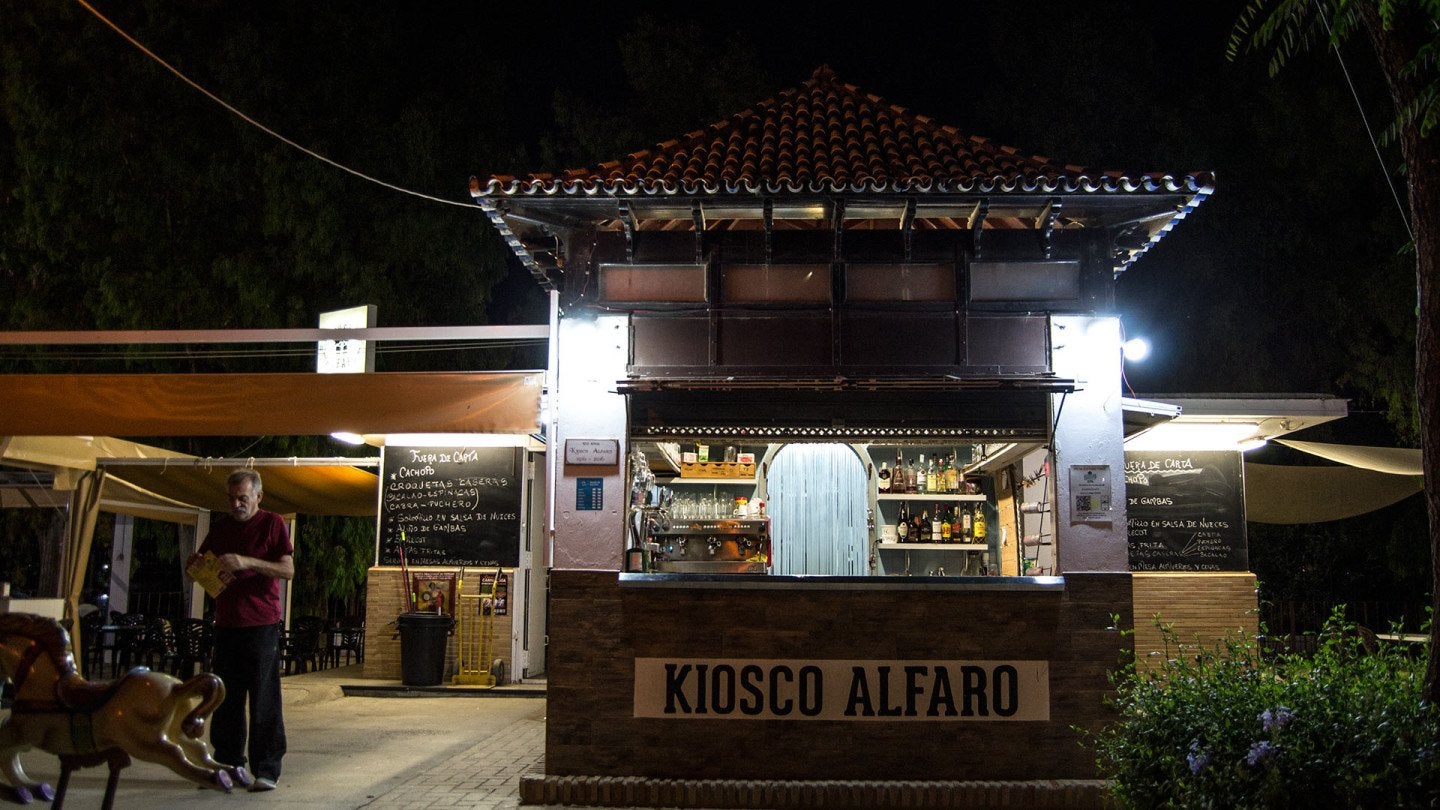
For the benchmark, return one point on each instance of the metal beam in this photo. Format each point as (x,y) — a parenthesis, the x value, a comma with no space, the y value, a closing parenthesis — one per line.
(627,222)
(697,213)
(907,227)
(1045,223)
(205,461)
(769,227)
(977,223)
(173,336)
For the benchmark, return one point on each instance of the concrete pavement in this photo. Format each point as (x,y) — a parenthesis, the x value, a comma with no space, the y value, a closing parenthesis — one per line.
(463,748)
(354,752)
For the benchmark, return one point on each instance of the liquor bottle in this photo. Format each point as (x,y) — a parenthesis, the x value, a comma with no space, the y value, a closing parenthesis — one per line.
(947,530)
(952,476)
(902,524)
(921,528)
(920,475)
(966,525)
(932,477)
(884,478)
(979,525)
(935,525)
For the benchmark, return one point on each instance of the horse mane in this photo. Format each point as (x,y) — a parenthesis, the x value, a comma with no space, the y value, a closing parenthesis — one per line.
(44,631)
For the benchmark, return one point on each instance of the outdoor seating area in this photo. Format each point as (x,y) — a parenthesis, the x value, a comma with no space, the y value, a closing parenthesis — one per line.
(113,643)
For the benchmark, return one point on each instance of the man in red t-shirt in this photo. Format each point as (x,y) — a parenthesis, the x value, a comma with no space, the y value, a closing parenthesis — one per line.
(253,546)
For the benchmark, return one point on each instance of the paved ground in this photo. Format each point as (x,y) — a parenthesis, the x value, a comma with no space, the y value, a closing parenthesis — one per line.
(353,752)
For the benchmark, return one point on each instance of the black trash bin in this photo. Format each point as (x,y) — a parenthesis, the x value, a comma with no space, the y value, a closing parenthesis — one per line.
(422,647)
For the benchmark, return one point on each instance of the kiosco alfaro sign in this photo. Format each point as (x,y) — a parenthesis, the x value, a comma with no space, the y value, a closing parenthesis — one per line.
(772,689)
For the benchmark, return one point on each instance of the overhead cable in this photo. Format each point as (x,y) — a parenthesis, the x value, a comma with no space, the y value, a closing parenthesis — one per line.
(252,122)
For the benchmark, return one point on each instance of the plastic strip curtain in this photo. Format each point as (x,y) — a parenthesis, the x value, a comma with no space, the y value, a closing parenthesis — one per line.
(817,510)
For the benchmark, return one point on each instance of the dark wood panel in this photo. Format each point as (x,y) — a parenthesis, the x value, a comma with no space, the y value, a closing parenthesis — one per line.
(1009,343)
(780,339)
(897,338)
(674,340)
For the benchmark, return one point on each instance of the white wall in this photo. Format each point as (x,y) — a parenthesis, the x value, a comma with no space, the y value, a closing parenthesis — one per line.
(591,358)
(1090,430)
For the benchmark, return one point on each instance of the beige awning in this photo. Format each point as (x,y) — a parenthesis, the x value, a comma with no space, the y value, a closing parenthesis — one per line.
(1373,478)
(268,404)
(308,489)
(1392,460)
(152,482)
(74,452)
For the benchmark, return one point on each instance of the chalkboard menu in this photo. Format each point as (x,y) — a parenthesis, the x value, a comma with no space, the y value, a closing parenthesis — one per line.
(453,506)
(1186,510)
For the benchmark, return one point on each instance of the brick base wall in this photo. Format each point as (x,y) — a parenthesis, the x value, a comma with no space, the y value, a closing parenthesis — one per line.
(1202,608)
(598,628)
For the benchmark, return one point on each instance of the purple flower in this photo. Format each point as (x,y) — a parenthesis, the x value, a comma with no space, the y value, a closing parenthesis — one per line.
(1199,760)
(1275,719)
(1260,753)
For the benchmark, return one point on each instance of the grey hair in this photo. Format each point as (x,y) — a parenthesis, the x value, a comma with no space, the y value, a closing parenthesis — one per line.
(246,474)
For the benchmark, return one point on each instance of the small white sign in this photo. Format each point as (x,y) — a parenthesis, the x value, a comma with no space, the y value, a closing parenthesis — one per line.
(1089,493)
(592,452)
(346,356)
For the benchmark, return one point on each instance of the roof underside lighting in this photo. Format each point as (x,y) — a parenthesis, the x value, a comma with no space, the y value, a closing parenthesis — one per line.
(1198,436)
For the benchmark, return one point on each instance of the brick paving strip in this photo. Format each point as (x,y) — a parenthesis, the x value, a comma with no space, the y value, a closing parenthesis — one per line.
(485,776)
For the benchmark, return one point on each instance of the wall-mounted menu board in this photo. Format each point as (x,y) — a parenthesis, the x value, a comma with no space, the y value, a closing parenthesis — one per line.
(1186,510)
(454,506)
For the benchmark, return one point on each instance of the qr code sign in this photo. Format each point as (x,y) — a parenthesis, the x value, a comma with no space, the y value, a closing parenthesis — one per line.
(1082,503)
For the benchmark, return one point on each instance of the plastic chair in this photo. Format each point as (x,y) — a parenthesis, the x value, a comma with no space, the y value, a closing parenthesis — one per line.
(300,647)
(194,641)
(123,639)
(348,638)
(156,649)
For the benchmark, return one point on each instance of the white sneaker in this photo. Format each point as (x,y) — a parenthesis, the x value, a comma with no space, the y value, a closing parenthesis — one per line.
(262,783)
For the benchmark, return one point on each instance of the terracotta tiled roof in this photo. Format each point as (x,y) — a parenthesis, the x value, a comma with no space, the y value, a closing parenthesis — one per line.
(828,137)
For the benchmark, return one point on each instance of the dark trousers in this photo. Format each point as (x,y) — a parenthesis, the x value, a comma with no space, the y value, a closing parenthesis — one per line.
(247,659)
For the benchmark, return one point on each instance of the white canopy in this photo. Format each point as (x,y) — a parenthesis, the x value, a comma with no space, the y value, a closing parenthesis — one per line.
(1371,478)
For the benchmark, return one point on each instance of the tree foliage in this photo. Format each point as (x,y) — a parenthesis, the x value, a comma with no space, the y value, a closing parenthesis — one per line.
(1405,35)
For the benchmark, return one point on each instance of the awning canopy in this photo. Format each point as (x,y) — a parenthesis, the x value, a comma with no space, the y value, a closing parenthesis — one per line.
(1373,478)
(152,482)
(310,487)
(268,404)
(39,472)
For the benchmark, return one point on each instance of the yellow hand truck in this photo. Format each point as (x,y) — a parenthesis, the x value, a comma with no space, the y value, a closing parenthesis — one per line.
(475,633)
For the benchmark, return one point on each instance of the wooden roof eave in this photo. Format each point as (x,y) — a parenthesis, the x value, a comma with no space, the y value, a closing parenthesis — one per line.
(1115,212)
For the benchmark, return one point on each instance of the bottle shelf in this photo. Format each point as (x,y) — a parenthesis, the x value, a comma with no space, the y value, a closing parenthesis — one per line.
(930,496)
(705,482)
(934,546)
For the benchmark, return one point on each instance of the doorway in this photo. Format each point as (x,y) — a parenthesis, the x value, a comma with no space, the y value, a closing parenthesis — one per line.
(817,500)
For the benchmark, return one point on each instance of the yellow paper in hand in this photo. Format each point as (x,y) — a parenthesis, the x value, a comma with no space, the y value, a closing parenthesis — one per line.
(207,572)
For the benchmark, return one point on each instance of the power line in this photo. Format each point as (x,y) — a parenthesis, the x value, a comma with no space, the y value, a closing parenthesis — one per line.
(252,122)
(1374,144)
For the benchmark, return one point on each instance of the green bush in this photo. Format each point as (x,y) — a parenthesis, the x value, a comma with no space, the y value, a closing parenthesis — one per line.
(1230,728)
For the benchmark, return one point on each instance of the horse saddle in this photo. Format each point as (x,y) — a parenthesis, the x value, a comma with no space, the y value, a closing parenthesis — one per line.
(74,695)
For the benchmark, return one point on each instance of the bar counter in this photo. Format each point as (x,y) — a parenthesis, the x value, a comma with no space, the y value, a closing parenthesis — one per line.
(627,647)
(743,582)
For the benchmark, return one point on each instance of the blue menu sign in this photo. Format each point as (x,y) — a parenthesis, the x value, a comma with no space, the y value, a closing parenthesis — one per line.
(589,494)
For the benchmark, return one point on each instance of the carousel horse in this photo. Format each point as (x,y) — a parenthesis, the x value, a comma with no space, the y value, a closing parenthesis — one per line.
(149,715)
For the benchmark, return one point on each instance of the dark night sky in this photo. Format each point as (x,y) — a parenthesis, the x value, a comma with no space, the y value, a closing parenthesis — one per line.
(1300,206)
(1138,86)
